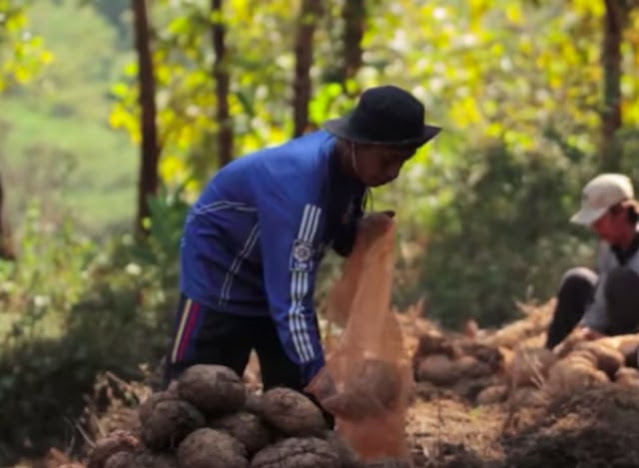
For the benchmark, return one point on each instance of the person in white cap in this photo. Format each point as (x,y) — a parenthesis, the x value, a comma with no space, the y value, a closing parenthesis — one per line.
(605,302)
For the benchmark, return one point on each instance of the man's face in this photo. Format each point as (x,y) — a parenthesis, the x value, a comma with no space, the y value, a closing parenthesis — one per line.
(378,165)
(611,226)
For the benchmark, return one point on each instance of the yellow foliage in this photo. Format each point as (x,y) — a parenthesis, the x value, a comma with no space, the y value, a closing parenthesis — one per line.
(192,189)
(494,130)
(46,57)
(240,10)
(478,7)
(497,50)
(568,54)
(542,60)
(120,118)
(590,7)
(249,142)
(15,22)
(185,136)
(513,13)
(130,69)
(172,170)
(21,74)
(465,112)
(162,74)
(630,112)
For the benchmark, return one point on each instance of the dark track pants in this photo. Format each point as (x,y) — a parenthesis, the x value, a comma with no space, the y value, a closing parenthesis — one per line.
(205,336)
(576,292)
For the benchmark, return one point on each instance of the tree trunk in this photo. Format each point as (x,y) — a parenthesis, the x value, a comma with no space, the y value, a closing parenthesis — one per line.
(614,20)
(148,176)
(353,17)
(6,245)
(222,83)
(309,14)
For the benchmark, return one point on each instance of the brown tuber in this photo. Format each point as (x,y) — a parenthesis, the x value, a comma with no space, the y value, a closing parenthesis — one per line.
(246,427)
(297,453)
(528,397)
(168,422)
(471,367)
(347,456)
(141,459)
(437,369)
(627,377)
(492,395)
(574,374)
(118,441)
(253,403)
(292,413)
(145,409)
(430,344)
(208,448)
(370,390)
(490,356)
(386,463)
(214,390)
(377,378)
(608,358)
(627,345)
(530,366)
(120,460)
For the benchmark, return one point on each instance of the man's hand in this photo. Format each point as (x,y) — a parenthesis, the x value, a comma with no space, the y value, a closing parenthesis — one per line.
(590,334)
(375,223)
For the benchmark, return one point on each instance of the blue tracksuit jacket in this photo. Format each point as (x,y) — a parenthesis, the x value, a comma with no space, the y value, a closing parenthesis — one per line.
(253,241)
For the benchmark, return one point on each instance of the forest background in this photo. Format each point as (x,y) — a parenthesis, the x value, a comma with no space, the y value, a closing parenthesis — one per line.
(114,113)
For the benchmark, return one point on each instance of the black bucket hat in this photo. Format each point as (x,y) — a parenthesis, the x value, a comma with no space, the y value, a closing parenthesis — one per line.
(384,115)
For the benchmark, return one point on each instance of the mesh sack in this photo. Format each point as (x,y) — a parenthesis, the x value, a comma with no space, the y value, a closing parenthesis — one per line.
(366,380)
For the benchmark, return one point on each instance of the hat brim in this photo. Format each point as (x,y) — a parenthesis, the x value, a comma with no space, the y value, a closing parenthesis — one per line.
(586,217)
(341,128)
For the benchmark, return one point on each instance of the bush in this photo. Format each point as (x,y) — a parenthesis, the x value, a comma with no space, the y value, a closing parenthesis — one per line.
(505,236)
(72,309)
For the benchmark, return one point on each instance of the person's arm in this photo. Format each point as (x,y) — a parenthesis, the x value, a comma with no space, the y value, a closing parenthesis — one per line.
(595,319)
(345,240)
(290,231)
(345,236)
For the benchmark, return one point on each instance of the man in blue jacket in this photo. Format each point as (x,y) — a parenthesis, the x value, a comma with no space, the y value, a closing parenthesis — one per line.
(253,241)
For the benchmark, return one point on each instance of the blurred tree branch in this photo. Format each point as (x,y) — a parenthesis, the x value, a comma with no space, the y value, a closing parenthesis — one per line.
(354,17)
(310,12)
(150,151)
(6,246)
(221,74)
(615,20)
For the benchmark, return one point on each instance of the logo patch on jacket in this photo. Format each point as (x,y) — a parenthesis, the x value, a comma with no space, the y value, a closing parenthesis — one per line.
(302,255)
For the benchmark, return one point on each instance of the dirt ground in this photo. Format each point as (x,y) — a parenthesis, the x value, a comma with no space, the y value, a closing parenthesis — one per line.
(442,433)
(448,432)
(596,427)
(590,427)
(593,428)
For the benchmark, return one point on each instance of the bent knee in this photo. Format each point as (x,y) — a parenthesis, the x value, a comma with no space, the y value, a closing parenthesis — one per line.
(579,277)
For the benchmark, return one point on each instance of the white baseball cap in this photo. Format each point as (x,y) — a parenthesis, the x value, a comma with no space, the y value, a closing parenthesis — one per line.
(601,193)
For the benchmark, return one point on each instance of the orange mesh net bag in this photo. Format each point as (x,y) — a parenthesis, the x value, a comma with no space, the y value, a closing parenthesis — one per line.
(366,381)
